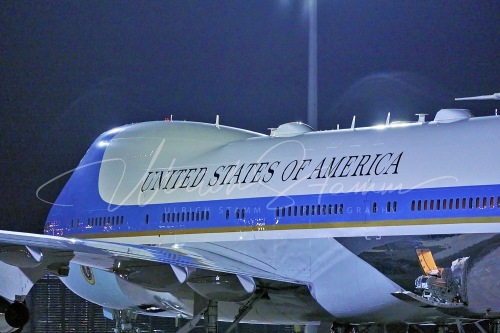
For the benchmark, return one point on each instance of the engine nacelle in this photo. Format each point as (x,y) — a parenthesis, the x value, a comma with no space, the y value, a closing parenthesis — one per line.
(13,316)
(111,291)
(482,282)
(221,286)
(159,277)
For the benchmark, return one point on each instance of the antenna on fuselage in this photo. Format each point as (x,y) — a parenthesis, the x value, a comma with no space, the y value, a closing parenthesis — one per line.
(217,121)
(171,117)
(353,122)
(338,127)
(388,120)
(421,117)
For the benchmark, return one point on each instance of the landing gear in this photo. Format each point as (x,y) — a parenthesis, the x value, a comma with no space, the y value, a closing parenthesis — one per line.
(442,329)
(203,308)
(17,315)
(123,320)
(211,317)
(495,326)
(343,328)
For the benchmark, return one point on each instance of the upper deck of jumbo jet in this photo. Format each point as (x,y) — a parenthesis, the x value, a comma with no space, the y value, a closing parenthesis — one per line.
(181,161)
(184,138)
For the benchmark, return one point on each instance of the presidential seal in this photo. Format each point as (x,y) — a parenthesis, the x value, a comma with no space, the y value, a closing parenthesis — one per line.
(87,274)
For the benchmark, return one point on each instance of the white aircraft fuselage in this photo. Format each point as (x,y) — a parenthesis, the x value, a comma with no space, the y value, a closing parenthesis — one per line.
(332,225)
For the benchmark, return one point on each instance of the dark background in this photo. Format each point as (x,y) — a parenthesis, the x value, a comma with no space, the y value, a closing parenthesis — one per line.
(73,69)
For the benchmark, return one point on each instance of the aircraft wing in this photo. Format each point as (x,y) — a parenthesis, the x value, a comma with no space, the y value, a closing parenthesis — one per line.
(29,256)
(478,98)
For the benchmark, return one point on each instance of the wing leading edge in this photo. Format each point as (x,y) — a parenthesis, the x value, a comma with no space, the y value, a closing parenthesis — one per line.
(27,257)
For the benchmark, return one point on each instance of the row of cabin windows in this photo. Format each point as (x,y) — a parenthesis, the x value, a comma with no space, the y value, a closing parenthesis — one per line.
(199,215)
(310,210)
(99,221)
(239,213)
(109,220)
(458,203)
(391,207)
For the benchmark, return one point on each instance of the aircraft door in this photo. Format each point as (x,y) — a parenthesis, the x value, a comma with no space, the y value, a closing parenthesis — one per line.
(371,229)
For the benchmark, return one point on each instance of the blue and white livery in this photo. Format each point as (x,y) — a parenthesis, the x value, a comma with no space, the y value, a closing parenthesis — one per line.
(389,224)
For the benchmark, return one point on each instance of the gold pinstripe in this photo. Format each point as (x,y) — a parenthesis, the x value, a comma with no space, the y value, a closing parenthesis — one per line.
(280,227)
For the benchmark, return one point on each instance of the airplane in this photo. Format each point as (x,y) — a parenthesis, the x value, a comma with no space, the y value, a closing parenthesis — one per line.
(338,230)
(495,96)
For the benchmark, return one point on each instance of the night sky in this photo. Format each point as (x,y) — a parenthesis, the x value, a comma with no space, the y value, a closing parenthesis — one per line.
(73,69)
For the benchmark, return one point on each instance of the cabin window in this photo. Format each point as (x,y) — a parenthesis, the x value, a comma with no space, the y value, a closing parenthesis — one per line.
(243,212)
(485,205)
(330,207)
(294,210)
(477,202)
(464,203)
(238,213)
(307,210)
(277,211)
(394,206)
(492,202)
(227,214)
(374,207)
(451,204)
(312,210)
(341,208)
(208,214)
(413,205)
(202,215)
(419,205)
(289,210)
(283,211)
(147,219)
